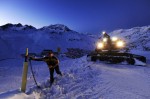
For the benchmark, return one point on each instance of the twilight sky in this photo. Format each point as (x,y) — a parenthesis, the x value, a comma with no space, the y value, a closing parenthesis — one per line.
(91,16)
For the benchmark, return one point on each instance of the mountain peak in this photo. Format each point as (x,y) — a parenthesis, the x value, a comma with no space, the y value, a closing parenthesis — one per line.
(57,27)
(6,26)
(18,26)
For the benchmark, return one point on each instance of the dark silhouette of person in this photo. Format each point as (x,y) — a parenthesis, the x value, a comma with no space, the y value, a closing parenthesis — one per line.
(53,64)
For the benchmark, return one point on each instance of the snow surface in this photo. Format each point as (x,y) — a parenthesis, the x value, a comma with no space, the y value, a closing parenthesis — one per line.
(88,80)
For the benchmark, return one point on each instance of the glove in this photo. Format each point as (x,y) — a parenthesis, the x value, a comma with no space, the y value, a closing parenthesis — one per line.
(51,66)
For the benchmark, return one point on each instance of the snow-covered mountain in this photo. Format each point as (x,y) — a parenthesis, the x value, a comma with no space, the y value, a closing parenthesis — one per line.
(81,79)
(136,38)
(15,38)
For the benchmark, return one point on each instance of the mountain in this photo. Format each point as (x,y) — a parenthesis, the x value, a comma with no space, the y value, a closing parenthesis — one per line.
(15,38)
(137,38)
(14,27)
(81,79)
(56,28)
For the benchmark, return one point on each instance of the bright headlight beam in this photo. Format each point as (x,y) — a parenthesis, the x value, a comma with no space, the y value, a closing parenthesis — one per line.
(120,44)
(103,32)
(114,38)
(104,39)
(100,45)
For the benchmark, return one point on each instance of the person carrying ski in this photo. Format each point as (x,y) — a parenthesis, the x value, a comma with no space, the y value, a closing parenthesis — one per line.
(53,64)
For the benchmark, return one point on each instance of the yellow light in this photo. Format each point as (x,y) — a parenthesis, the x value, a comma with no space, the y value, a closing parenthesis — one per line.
(100,45)
(114,39)
(120,44)
(104,39)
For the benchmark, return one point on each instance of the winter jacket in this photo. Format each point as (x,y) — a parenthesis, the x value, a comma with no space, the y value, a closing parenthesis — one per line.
(51,61)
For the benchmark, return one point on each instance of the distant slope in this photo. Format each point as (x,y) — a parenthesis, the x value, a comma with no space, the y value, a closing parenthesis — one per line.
(15,38)
(137,38)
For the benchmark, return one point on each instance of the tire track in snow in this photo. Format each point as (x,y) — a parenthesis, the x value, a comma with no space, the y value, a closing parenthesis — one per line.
(103,89)
(147,72)
(123,72)
(148,65)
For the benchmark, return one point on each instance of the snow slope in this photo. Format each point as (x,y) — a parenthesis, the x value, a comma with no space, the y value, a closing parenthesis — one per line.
(136,38)
(15,38)
(88,80)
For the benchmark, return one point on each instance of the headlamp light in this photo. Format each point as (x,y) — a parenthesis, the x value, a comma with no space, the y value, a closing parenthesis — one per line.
(104,39)
(100,45)
(120,44)
(114,39)
(103,32)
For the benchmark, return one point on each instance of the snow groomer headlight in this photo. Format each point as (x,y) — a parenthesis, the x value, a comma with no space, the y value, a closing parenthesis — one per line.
(120,44)
(114,39)
(100,45)
(104,39)
(103,32)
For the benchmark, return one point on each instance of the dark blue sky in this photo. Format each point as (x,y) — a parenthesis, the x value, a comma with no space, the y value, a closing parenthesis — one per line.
(91,16)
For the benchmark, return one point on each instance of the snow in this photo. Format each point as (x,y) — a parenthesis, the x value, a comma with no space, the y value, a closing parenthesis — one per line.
(137,38)
(14,42)
(81,79)
(137,62)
